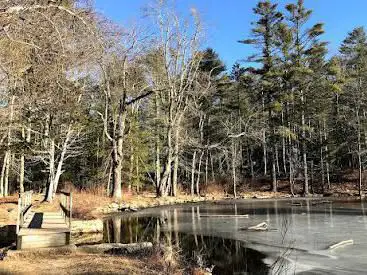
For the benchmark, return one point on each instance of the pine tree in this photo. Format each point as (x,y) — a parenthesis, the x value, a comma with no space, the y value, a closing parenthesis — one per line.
(304,47)
(354,57)
(265,37)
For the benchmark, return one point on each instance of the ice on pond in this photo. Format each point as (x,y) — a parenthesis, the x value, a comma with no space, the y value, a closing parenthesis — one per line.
(302,236)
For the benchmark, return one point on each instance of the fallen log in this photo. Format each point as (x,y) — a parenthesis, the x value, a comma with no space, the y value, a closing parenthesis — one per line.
(224,216)
(128,209)
(118,248)
(321,202)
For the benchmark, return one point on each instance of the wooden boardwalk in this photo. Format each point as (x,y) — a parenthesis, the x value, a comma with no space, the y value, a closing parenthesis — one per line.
(44,229)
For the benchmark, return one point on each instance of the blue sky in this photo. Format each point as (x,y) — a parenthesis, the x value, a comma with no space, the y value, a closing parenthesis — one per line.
(228,21)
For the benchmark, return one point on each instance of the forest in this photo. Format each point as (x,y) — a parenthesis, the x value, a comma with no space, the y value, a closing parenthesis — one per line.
(88,102)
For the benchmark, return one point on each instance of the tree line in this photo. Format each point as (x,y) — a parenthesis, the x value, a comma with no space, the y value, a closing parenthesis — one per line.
(97,104)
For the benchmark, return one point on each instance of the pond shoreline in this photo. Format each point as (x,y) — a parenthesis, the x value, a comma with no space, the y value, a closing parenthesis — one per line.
(83,229)
(88,226)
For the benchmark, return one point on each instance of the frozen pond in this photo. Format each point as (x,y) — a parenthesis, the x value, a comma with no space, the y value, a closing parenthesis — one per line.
(214,235)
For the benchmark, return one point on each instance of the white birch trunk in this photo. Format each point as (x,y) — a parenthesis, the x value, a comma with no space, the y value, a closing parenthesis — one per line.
(59,170)
(51,168)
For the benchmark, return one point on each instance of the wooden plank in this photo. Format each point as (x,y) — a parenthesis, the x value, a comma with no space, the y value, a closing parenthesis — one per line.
(42,241)
(40,231)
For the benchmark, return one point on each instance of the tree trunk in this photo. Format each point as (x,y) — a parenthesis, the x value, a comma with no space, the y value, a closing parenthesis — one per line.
(108,190)
(251,164)
(51,169)
(326,155)
(234,166)
(2,179)
(193,168)
(117,145)
(176,163)
(61,161)
(277,159)
(273,169)
(164,184)
(3,171)
(264,154)
(117,170)
(206,167)
(221,172)
(274,175)
(157,149)
(284,157)
(228,163)
(312,177)
(322,162)
(199,174)
(360,167)
(304,149)
(212,167)
(22,167)
(291,165)
(6,175)
(7,162)
(137,176)
(131,170)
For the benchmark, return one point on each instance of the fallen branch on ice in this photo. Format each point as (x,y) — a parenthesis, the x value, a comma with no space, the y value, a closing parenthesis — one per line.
(341,244)
(259,227)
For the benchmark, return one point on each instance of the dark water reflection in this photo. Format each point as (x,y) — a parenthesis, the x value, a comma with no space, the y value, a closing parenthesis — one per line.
(7,235)
(223,256)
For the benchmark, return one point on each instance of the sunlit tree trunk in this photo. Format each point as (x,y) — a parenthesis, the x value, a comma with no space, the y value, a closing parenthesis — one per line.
(304,148)
(199,174)
(193,169)
(175,163)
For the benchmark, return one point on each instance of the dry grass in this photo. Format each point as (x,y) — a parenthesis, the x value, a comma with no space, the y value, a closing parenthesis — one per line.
(8,210)
(10,199)
(73,262)
(88,204)
(85,204)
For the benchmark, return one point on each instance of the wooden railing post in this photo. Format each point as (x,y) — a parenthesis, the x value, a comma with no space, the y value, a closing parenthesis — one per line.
(24,204)
(66,204)
(19,211)
(70,209)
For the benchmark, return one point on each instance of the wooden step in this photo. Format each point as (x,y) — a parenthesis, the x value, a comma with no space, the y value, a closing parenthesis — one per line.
(43,229)
(43,240)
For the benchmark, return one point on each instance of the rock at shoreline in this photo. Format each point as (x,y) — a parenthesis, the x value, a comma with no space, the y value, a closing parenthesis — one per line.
(92,226)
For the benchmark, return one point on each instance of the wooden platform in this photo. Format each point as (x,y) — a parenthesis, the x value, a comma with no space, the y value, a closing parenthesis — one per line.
(43,229)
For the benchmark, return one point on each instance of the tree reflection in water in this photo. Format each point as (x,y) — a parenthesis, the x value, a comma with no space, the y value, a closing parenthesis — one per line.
(226,256)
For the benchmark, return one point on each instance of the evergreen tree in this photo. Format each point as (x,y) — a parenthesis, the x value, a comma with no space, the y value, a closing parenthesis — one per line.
(305,47)
(354,100)
(264,37)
